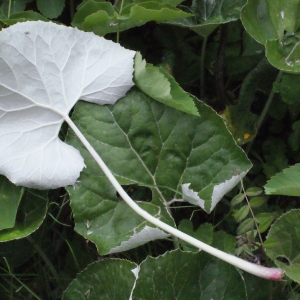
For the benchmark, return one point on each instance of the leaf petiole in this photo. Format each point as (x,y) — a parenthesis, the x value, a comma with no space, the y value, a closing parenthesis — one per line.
(264,272)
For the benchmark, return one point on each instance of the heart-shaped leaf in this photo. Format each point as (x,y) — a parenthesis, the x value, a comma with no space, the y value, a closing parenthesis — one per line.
(44,69)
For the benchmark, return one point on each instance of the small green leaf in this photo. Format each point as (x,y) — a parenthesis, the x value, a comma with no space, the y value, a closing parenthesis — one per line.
(265,220)
(283,244)
(254,191)
(245,226)
(237,199)
(51,8)
(285,183)
(257,201)
(157,83)
(107,279)
(10,197)
(31,213)
(241,213)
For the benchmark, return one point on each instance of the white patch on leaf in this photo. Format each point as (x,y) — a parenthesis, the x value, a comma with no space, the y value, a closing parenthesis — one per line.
(45,69)
(146,235)
(219,191)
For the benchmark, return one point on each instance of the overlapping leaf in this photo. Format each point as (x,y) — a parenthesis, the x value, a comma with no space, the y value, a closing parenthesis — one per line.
(44,69)
(174,275)
(31,213)
(276,24)
(283,244)
(147,143)
(103,18)
(157,83)
(285,183)
(10,197)
(210,14)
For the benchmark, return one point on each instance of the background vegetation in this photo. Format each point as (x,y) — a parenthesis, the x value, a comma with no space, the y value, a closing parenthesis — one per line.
(240,58)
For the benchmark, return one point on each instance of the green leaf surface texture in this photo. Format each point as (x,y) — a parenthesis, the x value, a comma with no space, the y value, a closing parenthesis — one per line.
(174,275)
(157,83)
(275,24)
(105,280)
(147,143)
(217,11)
(102,18)
(283,243)
(10,198)
(31,213)
(51,8)
(285,183)
(23,17)
(182,275)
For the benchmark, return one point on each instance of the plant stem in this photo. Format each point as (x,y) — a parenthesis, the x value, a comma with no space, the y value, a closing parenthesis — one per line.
(264,272)
(265,110)
(202,68)
(9,9)
(118,32)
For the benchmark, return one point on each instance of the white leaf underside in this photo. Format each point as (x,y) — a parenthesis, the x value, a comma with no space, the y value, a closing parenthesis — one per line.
(219,191)
(44,70)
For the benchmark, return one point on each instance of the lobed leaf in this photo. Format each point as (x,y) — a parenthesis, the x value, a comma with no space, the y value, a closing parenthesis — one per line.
(44,69)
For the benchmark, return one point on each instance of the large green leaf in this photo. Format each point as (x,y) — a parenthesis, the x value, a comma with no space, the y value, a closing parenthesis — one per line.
(189,276)
(10,197)
(31,213)
(285,183)
(174,275)
(283,244)
(157,83)
(276,24)
(103,18)
(147,143)
(108,279)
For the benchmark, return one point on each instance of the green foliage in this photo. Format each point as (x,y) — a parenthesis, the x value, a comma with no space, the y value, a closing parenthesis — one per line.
(282,244)
(10,198)
(285,183)
(52,8)
(173,154)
